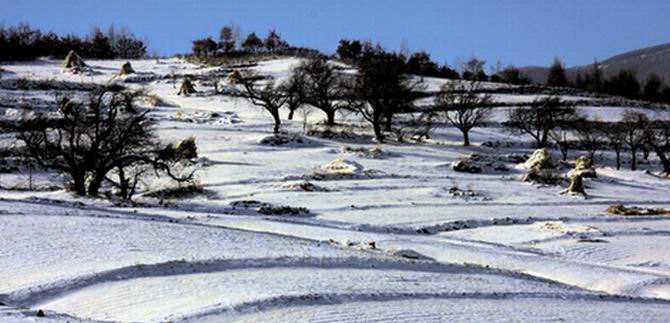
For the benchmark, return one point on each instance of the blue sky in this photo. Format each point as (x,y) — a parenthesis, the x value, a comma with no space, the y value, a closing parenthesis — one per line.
(529,32)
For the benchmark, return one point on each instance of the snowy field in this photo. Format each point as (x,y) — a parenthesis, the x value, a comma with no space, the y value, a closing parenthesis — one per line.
(394,244)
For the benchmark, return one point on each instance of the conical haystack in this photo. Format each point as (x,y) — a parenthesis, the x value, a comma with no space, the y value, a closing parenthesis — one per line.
(73,62)
(186,88)
(126,69)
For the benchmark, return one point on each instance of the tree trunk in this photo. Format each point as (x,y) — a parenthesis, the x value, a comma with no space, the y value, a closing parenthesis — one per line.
(564,152)
(330,115)
(94,185)
(79,184)
(275,116)
(633,159)
(666,163)
(376,125)
(123,184)
(388,122)
(618,159)
(290,114)
(466,137)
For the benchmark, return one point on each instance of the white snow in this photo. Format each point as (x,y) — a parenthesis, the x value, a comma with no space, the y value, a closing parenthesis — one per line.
(385,239)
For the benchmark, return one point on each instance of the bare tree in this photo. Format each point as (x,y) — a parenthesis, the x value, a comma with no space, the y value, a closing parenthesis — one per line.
(615,135)
(88,140)
(267,95)
(561,137)
(464,106)
(294,88)
(324,87)
(381,89)
(658,138)
(634,126)
(538,120)
(589,136)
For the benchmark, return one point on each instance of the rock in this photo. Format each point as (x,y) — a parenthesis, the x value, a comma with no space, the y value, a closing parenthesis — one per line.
(540,159)
(40,313)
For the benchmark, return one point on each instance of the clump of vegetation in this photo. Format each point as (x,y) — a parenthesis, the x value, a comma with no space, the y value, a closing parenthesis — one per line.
(177,192)
(620,209)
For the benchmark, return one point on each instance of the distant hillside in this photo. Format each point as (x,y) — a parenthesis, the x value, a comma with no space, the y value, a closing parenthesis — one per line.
(644,61)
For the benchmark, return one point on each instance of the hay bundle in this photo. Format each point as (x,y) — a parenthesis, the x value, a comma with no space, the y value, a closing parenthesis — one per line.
(583,169)
(126,69)
(73,62)
(620,209)
(186,87)
(540,159)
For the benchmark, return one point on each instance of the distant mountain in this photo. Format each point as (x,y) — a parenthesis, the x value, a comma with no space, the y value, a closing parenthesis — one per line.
(643,61)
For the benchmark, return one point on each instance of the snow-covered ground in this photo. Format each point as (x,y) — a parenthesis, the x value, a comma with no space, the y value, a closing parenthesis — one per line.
(391,242)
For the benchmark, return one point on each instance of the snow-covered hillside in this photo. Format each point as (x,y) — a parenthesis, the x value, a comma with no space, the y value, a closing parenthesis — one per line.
(401,237)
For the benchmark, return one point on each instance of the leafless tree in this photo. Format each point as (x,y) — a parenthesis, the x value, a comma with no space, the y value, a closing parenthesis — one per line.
(538,120)
(262,93)
(324,87)
(464,106)
(590,136)
(615,135)
(635,128)
(658,138)
(90,139)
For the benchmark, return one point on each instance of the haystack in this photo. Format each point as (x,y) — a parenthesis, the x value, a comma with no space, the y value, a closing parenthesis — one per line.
(186,87)
(583,169)
(73,62)
(126,69)
(540,159)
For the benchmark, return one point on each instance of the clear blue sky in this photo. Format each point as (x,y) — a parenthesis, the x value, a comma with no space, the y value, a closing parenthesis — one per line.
(529,32)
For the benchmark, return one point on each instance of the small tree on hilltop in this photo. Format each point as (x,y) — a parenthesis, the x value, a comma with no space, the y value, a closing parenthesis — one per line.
(652,88)
(227,39)
(252,43)
(205,47)
(556,76)
(273,42)
(464,106)
(624,84)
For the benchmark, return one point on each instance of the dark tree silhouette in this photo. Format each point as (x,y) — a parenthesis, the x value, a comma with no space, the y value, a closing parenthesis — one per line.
(91,139)
(464,106)
(538,120)
(324,87)
(556,76)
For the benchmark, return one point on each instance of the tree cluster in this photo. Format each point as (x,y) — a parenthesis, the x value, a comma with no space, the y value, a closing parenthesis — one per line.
(23,42)
(104,139)
(625,83)
(231,43)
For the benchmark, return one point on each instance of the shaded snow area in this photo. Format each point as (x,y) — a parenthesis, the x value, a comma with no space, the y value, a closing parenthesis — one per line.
(371,232)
